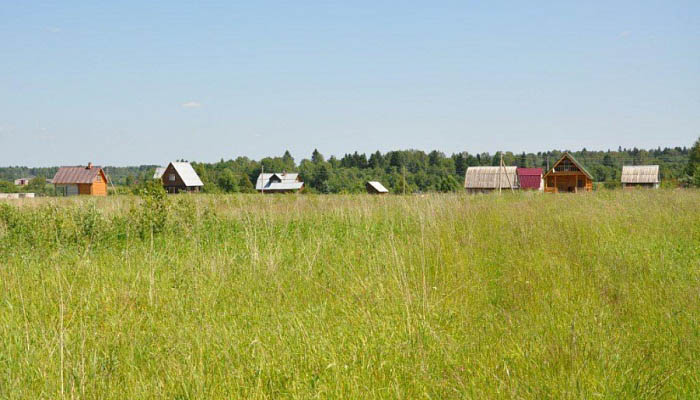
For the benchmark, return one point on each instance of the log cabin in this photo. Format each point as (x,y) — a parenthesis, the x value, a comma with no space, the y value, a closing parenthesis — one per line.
(89,180)
(568,176)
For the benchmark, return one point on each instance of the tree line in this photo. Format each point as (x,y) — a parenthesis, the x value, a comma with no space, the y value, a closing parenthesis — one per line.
(408,171)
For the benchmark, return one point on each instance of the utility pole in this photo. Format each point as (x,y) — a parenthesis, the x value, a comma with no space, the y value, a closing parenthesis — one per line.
(503,168)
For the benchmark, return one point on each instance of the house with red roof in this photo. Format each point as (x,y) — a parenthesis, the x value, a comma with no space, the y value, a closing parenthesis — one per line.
(531,178)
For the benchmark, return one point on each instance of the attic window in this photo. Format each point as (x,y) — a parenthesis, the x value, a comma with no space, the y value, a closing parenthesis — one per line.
(171,177)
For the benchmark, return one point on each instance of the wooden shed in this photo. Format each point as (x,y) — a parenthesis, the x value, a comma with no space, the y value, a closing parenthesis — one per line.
(634,176)
(180,177)
(89,180)
(488,179)
(568,176)
(374,187)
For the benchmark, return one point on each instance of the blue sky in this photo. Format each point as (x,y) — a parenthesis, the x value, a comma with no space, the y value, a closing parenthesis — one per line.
(135,82)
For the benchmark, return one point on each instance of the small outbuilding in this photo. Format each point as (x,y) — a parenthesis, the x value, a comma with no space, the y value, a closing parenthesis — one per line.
(279,182)
(530,178)
(22,181)
(180,177)
(488,179)
(374,187)
(646,176)
(568,176)
(89,180)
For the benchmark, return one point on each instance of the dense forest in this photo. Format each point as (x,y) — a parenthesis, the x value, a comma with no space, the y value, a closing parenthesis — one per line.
(409,171)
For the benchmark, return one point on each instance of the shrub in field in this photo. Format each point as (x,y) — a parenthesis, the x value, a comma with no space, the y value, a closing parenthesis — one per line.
(151,216)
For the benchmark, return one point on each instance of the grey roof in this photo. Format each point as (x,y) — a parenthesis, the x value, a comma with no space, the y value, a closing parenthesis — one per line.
(378,187)
(159,172)
(282,181)
(187,174)
(488,177)
(640,174)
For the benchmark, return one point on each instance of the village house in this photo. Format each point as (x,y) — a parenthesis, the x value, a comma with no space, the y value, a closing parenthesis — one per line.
(374,187)
(488,179)
(568,176)
(89,180)
(530,179)
(278,182)
(634,176)
(179,177)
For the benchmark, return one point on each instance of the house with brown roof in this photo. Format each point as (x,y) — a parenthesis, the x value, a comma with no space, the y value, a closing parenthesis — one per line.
(89,180)
(568,176)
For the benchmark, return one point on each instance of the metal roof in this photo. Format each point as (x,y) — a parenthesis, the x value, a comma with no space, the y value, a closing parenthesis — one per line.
(488,177)
(530,178)
(73,175)
(640,174)
(378,187)
(529,171)
(187,173)
(159,172)
(281,181)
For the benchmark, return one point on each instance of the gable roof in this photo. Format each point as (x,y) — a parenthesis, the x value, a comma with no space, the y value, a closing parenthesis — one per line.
(159,172)
(74,175)
(488,177)
(640,174)
(573,160)
(287,181)
(187,173)
(378,187)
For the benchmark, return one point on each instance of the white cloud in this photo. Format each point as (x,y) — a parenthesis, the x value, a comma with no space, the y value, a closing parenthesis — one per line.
(53,29)
(624,34)
(191,104)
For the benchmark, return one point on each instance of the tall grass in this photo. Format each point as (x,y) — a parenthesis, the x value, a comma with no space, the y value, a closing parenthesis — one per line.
(439,296)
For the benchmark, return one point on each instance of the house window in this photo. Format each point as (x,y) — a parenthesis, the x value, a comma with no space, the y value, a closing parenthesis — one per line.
(171,177)
(550,181)
(581,182)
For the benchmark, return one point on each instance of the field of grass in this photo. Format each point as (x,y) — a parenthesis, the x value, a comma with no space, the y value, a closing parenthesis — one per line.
(436,296)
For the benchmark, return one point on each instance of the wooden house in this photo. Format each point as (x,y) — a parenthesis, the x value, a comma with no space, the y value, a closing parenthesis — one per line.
(374,187)
(568,176)
(530,179)
(180,177)
(90,180)
(278,182)
(634,176)
(488,179)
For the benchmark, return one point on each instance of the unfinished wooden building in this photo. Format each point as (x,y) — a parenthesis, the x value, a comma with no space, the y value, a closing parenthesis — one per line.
(644,176)
(488,179)
(568,176)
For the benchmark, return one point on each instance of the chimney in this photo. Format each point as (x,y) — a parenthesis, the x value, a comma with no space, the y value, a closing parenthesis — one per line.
(89,166)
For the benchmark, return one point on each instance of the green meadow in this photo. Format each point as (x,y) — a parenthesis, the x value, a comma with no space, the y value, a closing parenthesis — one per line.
(523,296)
